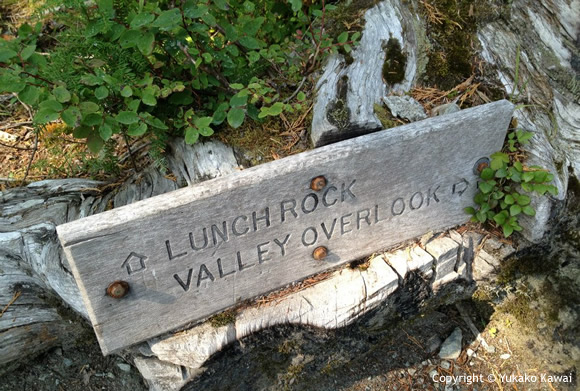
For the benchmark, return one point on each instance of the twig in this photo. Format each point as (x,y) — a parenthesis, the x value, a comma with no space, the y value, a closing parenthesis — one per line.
(15,125)
(14,298)
(129,150)
(15,147)
(31,158)
(471,326)
(297,90)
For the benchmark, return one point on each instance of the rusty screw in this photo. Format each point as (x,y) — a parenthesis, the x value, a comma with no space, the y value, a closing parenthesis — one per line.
(320,253)
(480,165)
(118,289)
(318,183)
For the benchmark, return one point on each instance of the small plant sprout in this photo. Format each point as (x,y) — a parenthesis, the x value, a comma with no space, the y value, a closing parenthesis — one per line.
(500,199)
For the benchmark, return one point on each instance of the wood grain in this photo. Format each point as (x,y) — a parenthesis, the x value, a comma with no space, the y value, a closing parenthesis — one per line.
(382,189)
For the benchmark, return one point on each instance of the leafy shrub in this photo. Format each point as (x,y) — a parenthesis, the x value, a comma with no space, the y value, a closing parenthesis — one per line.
(164,67)
(498,197)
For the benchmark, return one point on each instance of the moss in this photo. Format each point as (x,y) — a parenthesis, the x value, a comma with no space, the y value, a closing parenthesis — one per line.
(347,16)
(534,261)
(395,62)
(519,307)
(451,28)
(338,113)
(384,116)
(223,319)
(287,346)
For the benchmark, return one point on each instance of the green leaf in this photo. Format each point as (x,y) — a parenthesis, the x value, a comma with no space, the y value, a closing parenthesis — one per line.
(191,135)
(515,210)
(523,200)
(136,130)
(193,11)
(89,107)
(101,92)
(95,143)
(206,131)
(529,210)
(92,119)
(343,37)
(222,4)
(203,122)
(127,117)
(519,166)
(500,218)
(61,94)
(236,86)
(72,116)
(527,186)
(27,52)
(527,176)
(487,173)
(7,54)
(82,132)
(485,187)
(498,159)
(540,176)
(523,136)
(296,5)
(29,95)
(509,199)
(50,104)
(238,100)
(276,108)
(149,99)
(507,230)
(91,80)
(207,57)
(142,19)
(45,115)
(146,43)
(169,19)
(501,173)
(156,123)
(469,210)
(250,43)
(105,131)
(236,117)
(126,91)
(301,96)
(129,38)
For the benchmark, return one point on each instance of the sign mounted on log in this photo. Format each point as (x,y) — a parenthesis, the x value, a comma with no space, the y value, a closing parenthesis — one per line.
(159,264)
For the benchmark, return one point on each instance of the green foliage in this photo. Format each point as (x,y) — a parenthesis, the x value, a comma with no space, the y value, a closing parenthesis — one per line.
(164,67)
(499,199)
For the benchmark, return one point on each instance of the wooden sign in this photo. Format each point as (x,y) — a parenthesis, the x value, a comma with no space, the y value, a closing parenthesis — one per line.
(162,263)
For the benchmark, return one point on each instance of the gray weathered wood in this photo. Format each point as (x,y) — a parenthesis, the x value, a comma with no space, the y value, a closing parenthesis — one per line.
(382,189)
(35,278)
(357,86)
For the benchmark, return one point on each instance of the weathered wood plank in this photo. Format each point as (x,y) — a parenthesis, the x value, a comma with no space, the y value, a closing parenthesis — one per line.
(199,250)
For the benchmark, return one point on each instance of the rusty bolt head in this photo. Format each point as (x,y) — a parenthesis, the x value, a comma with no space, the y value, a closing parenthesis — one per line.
(118,289)
(320,253)
(318,183)
(480,165)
